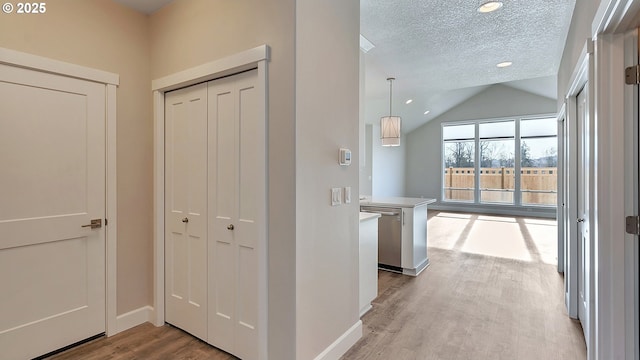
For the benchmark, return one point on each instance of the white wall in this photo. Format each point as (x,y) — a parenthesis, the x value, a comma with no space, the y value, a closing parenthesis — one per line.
(327,118)
(366,168)
(579,32)
(424,145)
(388,166)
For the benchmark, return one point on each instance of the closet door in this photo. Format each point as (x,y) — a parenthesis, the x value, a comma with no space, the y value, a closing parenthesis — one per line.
(236,212)
(186,209)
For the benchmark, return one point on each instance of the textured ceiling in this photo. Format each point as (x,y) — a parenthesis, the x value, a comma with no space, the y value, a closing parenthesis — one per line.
(439,49)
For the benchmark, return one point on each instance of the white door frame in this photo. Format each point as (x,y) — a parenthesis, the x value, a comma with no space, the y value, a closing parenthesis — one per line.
(580,77)
(246,60)
(632,158)
(110,81)
(615,339)
(560,204)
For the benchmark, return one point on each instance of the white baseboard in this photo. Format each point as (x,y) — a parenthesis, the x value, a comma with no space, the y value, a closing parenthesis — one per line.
(342,344)
(134,318)
(365,309)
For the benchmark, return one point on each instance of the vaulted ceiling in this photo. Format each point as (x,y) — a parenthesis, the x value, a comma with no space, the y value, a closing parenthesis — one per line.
(443,52)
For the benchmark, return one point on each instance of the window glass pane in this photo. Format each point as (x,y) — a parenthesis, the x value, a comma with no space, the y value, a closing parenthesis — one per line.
(497,175)
(459,132)
(459,171)
(539,171)
(502,129)
(538,127)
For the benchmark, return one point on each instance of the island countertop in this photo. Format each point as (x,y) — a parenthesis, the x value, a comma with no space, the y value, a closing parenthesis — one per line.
(366,216)
(404,202)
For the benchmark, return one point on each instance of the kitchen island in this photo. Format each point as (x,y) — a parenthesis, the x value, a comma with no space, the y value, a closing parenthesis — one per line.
(368,260)
(402,232)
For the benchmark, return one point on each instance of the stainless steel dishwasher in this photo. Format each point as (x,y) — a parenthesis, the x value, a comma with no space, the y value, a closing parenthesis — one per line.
(389,236)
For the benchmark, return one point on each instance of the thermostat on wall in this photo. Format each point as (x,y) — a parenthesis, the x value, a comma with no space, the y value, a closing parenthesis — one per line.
(345,157)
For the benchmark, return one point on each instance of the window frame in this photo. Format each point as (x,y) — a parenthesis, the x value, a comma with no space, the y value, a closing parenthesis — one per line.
(517,196)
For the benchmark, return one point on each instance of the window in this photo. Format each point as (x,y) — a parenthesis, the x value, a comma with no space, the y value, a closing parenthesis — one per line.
(497,141)
(459,158)
(539,156)
(505,176)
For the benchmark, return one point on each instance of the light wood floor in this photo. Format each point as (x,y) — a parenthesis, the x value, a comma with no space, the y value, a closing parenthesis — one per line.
(145,342)
(465,305)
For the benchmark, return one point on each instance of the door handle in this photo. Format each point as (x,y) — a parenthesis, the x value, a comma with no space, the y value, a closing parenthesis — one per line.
(95,224)
(230,227)
(580,220)
(185,220)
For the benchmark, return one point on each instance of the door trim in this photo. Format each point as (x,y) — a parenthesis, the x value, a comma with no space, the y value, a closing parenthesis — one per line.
(631,202)
(582,73)
(561,215)
(110,81)
(615,338)
(246,60)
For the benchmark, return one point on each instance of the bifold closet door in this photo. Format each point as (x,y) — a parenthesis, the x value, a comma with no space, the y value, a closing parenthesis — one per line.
(236,212)
(186,209)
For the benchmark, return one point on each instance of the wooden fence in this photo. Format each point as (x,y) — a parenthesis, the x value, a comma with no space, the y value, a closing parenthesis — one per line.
(537,185)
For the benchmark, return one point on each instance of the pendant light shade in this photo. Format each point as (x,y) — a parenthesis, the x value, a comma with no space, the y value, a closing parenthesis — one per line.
(390,125)
(390,130)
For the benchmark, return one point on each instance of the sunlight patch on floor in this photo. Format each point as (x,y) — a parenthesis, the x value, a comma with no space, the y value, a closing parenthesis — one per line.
(545,238)
(445,229)
(497,218)
(519,238)
(499,238)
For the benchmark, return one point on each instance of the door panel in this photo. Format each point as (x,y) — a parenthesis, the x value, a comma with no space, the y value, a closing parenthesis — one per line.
(584,240)
(236,173)
(52,156)
(186,209)
(223,173)
(250,181)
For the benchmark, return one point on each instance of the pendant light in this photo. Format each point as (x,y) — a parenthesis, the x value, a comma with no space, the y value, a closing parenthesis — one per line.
(390,125)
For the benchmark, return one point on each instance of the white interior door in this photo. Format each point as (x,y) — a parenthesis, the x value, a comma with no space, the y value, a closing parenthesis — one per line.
(186,209)
(236,212)
(52,183)
(583,210)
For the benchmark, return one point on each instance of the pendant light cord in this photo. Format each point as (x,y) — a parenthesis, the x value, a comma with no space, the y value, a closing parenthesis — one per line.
(390,95)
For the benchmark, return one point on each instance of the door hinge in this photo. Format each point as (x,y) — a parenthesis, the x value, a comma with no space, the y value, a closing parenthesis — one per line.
(106,222)
(632,75)
(633,225)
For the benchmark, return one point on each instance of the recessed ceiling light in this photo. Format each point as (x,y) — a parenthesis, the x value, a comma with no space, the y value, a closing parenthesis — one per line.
(504,64)
(426,112)
(490,6)
(408,101)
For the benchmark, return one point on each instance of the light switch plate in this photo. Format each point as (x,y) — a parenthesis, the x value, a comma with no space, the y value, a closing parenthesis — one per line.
(347,195)
(336,196)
